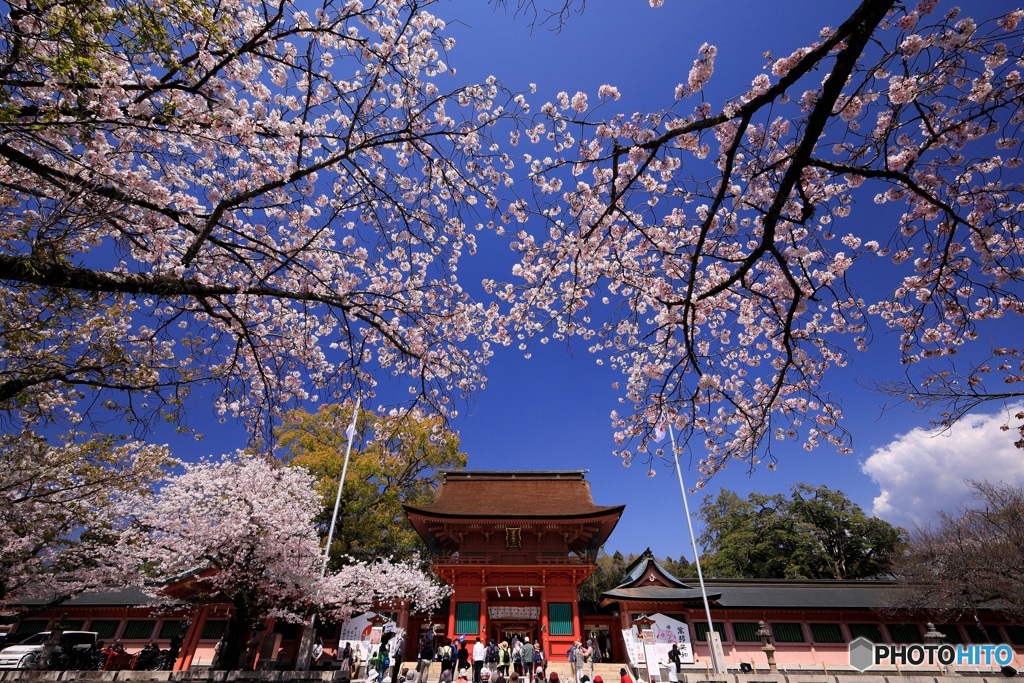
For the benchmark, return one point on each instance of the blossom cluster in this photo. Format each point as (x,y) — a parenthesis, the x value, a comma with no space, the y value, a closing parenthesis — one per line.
(272,202)
(725,300)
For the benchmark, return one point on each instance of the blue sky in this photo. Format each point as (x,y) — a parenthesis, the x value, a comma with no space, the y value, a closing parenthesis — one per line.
(551,411)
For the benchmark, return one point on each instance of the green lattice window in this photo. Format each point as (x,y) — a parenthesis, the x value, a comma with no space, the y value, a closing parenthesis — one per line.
(560,618)
(904,633)
(700,630)
(872,632)
(467,617)
(138,630)
(105,628)
(952,633)
(788,632)
(30,627)
(744,632)
(214,629)
(1015,634)
(173,628)
(827,633)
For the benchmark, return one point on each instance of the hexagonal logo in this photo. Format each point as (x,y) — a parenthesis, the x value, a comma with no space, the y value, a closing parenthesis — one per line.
(862,653)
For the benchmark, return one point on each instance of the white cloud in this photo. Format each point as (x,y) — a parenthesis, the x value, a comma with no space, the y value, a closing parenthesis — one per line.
(922,472)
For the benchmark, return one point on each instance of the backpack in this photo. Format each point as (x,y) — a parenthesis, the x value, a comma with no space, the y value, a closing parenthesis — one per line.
(517,657)
(445,653)
(571,656)
(492,653)
(538,657)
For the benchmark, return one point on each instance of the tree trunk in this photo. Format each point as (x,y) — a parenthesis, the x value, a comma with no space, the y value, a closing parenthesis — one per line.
(236,634)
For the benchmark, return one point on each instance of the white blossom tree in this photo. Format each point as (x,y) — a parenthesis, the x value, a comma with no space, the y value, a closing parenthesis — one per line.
(269,197)
(275,198)
(701,250)
(244,526)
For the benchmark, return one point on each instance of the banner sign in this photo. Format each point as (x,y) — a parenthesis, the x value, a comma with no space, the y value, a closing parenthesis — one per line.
(666,632)
(496,612)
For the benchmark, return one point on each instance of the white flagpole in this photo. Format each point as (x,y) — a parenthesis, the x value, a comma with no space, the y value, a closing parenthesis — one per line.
(719,669)
(306,644)
(350,433)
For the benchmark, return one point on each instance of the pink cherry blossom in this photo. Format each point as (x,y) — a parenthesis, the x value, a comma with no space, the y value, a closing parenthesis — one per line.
(726,284)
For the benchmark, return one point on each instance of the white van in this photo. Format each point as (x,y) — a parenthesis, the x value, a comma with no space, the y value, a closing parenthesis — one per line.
(24,654)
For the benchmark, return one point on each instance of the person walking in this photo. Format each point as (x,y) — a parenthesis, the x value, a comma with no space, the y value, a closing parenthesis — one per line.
(491,658)
(675,657)
(396,647)
(462,657)
(479,655)
(588,656)
(504,658)
(446,655)
(426,656)
(527,655)
(581,660)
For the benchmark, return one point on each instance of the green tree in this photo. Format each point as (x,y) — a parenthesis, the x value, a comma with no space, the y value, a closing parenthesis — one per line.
(679,568)
(608,571)
(396,460)
(815,533)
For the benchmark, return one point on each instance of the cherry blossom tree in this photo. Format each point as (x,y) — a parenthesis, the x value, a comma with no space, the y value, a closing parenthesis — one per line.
(263,196)
(61,510)
(273,197)
(701,250)
(244,527)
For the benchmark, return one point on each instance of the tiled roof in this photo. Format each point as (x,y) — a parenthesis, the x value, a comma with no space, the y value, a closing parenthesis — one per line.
(515,494)
(655,593)
(823,594)
(642,565)
(119,597)
(773,594)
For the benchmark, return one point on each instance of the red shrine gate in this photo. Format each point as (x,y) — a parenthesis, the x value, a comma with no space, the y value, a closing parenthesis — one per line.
(515,547)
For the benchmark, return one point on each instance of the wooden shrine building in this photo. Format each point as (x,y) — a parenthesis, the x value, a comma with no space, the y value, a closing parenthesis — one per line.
(515,547)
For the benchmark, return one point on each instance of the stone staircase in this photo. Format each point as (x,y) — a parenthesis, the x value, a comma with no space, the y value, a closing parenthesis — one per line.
(608,671)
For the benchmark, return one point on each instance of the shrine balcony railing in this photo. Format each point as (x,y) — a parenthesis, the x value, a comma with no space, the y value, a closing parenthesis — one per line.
(501,559)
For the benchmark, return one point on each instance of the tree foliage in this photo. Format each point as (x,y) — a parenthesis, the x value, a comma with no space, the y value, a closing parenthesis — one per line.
(265,196)
(275,199)
(701,249)
(815,533)
(397,459)
(61,508)
(971,558)
(608,573)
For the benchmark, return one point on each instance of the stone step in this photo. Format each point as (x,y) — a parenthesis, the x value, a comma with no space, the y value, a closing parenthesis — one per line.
(608,671)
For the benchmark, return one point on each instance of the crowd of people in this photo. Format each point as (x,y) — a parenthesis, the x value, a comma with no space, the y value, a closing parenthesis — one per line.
(518,661)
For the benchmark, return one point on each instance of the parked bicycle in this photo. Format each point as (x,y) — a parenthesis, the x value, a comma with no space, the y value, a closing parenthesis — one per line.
(152,658)
(75,659)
